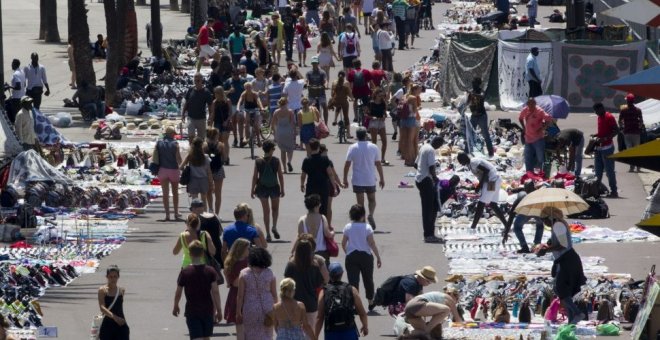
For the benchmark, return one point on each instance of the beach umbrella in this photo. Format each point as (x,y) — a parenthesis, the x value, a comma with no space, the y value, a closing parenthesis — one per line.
(645,83)
(565,200)
(645,12)
(555,106)
(651,224)
(646,155)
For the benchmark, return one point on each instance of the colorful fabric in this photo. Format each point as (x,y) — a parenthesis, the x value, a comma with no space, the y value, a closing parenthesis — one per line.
(511,59)
(45,130)
(581,70)
(464,63)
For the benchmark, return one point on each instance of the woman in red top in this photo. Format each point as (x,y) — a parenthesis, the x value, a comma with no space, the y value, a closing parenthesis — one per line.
(302,32)
(236,260)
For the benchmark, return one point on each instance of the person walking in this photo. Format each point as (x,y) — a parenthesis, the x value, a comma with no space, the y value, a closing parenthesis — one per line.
(17,90)
(339,94)
(199,282)
(533,73)
(395,87)
(316,175)
(479,117)
(407,112)
(574,140)
(220,119)
(198,100)
(237,45)
(317,80)
(234,88)
(235,261)
(289,24)
(168,157)
(426,180)
(193,233)
(302,43)
(204,38)
(359,79)
(315,224)
(268,183)
(488,188)
(201,175)
(293,91)
(312,12)
(519,220)
(327,24)
(308,116)
(532,10)
(385,45)
(534,121)
(275,34)
(365,158)
(36,80)
(399,8)
(411,24)
(348,48)
(631,122)
(305,271)
(339,319)
(567,266)
(283,125)
(607,129)
(210,223)
(111,304)
(242,228)
(376,117)
(289,315)
(257,293)
(326,54)
(215,151)
(360,247)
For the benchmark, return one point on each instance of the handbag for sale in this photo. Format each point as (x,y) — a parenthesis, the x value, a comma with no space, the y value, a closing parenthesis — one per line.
(331,246)
(591,147)
(321,130)
(98,320)
(185,176)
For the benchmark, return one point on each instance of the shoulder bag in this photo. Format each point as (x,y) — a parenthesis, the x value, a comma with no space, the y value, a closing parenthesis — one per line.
(330,245)
(98,320)
(185,176)
(321,129)
(154,166)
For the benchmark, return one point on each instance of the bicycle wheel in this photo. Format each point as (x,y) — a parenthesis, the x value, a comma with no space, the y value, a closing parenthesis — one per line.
(264,128)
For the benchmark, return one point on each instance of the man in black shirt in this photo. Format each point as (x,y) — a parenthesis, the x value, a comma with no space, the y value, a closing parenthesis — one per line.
(574,140)
(198,99)
(289,21)
(312,14)
(412,285)
(210,223)
(316,174)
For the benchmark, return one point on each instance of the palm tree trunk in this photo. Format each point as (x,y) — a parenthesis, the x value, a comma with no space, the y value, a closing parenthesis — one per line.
(52,32)
(141,2)
(115,15)
(185,6)
(131,33)
(156,32)
(198,13)
(42,19)
(174,5)
(79,34)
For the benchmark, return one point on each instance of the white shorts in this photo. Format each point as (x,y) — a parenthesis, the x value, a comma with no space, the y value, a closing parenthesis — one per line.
(206,51)
(490,196)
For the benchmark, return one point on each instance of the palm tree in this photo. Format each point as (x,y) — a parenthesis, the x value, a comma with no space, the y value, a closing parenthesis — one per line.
(130,34)
(79,35)
(185,6)
(174,5)
(156,32)
(141,2)
(48,30)
(115,19)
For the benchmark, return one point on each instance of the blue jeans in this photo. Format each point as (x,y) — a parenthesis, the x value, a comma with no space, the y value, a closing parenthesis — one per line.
(312,16)
(482,122)
(571,309)
(518,224)
(602,162)
(95,109)
(579,151)
(534,155)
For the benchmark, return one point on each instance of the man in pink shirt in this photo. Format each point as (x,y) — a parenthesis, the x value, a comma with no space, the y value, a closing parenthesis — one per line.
(534,121)
(203,43)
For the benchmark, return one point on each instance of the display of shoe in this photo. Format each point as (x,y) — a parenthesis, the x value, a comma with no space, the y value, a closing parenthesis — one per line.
(433,239)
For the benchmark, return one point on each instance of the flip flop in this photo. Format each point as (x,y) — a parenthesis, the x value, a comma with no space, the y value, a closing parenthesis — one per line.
(275,233)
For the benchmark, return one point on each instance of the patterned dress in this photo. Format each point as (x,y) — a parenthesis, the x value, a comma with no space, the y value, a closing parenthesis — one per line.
(257,302)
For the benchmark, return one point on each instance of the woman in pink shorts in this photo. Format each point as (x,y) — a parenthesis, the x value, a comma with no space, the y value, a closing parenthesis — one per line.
(169,159)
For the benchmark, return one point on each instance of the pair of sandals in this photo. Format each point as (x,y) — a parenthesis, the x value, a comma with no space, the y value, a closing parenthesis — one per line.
(275,233)
(177,218)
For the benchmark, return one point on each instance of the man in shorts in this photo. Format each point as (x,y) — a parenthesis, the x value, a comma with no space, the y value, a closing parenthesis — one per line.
(198,99)
(235,87)
(203,39)
(316,81)
(200,284)
(359,79)
(365,158)
(488,187)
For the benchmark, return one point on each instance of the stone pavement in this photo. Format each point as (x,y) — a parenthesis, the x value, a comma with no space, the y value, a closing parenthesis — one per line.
(149,269)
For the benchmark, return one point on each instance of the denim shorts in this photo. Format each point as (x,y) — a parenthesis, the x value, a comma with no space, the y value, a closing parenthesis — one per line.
(409,122)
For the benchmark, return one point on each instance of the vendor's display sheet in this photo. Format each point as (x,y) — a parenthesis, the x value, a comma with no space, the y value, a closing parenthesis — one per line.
(465,63)
(45,130)
(581,70)
(511,59)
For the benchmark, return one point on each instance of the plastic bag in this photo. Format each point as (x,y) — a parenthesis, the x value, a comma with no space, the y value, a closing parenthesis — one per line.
(608,329)
(566,332)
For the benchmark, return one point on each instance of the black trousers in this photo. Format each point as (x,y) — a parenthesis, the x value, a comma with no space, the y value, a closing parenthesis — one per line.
(429,198)
(288,45)
(12,106)
(386,60)
(401,31)
(535,88)
(35,93)
(360,262)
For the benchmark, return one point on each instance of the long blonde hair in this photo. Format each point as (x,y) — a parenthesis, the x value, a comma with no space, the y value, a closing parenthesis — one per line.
(236,251)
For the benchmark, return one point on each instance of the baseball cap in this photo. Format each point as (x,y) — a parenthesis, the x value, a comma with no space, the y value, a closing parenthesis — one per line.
(630,97)
(335,269)
(196,203)
(315,60)
(26,99)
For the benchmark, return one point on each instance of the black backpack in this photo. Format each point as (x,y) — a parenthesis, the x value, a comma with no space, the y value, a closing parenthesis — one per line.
(598,209)
(385,294)
(339,307)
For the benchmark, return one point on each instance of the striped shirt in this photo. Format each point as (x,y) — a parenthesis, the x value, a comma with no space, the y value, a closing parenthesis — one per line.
(399,9)
(274,95)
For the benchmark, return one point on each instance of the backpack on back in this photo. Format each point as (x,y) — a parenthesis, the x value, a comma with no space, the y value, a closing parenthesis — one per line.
(358,79)
(385,293)
(350,44)
(339,307)
(267,175)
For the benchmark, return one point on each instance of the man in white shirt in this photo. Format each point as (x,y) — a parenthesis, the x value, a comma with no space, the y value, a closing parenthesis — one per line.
(533,73)
(488,187)
(24,125)
(35,74)
(365,158)
(17,90)
(426,181)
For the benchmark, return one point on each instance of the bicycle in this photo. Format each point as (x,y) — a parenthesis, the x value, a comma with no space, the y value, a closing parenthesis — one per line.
(360,112)
(341,132)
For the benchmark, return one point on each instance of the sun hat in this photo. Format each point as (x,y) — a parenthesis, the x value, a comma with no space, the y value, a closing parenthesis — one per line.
(427,273)
(26,99)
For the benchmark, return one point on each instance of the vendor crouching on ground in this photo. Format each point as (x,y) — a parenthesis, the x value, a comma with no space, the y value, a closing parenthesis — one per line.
(567,267)
(436,305)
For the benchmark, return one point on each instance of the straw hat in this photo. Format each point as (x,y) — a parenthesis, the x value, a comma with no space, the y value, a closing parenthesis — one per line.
(130,126)
(428,273)
(143,126)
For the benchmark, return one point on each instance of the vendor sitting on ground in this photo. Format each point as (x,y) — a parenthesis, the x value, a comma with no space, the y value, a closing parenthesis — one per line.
(436,305)
(88,100)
